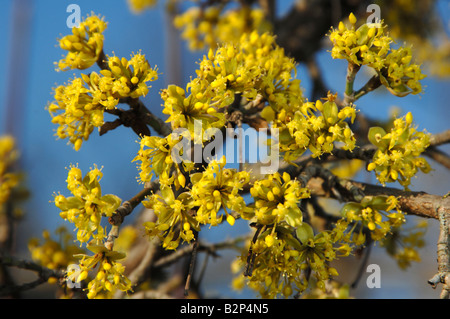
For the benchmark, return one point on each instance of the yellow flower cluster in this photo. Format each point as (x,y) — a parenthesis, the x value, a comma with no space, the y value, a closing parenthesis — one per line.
(314,126)
(54,253)
(276,200)
(375,214)
(276,269)
(317,251)
(84,45)
(371,46)
(86,208)
(171,212)
(138,6)
(185,112)
(161,157)
(255,65)
(397,156)
(109,275)
(215,188)
(282,260)
(80,105)
(75,113)
(128,78)
(213,25)
(8,179)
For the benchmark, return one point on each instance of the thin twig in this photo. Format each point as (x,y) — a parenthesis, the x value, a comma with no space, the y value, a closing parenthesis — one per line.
(139,273)
(124,210)
(362,267)
(349,94)
(373,83)
(102,61)
(128,206)
(191,264)
(210,249)
(438,156)
(440,138)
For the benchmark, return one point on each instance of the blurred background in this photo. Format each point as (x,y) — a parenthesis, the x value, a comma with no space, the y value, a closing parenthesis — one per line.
(29,30)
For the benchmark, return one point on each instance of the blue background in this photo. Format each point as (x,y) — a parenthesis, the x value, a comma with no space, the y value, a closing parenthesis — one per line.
(45,159)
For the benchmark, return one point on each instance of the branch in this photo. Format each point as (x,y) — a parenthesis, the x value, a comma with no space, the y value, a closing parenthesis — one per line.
(349,94)
(124,210)
(191,264)
(415,203)
(440,138)
(443,255)
(102,61)
(251,256)
(43,273)
(202,247)
(161,127)
(438,156)
(373,83)
(128,206)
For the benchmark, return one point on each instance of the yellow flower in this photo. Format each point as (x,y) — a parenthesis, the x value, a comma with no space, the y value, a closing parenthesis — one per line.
(84,45)
(158,156)
(374,213)
(109,274)
(79,106)
(280,260)
(317,127)
(371,46)
(75,111)
(218,187)
(129,77)
(276,264)
(86,208)
(397,156)
(277,199)
(403,243)
(171,211)
(197,108)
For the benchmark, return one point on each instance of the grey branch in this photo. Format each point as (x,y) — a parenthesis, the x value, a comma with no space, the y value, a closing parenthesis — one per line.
(43,274)
(415,203)
(443,255)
